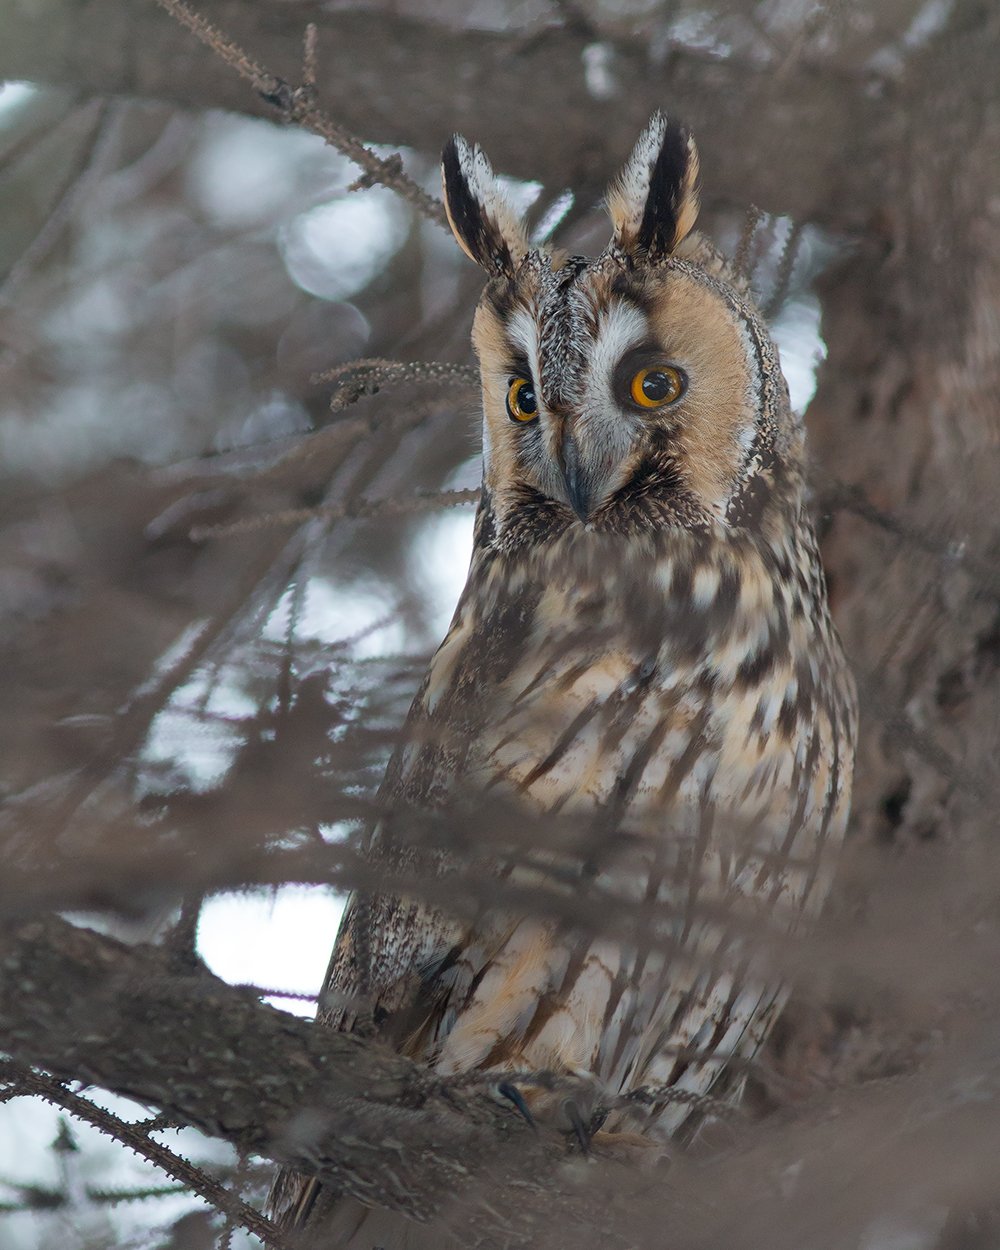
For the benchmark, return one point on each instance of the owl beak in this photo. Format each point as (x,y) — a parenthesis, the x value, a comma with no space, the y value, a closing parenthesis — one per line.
(573,476)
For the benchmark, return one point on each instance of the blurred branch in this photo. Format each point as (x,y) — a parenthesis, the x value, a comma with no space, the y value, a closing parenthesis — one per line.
(357,509)
(403,80)
(243,1071)
(80,178)
(385,1130)
(358,378)
(952,553)
(298,106)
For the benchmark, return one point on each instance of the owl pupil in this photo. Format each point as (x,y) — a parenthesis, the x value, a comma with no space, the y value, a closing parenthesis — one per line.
(656,386)
(521,402)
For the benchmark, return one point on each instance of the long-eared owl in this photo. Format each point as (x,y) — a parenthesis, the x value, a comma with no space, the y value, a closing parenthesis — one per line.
(641,679)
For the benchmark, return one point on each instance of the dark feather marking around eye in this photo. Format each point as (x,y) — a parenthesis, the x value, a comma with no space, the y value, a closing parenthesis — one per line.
(645,355)
(518,366)
(632,289)
(499,295)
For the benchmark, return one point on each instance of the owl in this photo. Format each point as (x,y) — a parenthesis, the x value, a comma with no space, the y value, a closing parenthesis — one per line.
(641,685)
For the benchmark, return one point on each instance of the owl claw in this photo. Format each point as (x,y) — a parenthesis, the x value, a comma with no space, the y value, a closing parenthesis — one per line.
(581,1130)
(514,1095)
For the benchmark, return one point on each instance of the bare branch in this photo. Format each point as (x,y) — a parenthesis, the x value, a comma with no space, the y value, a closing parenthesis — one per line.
(428,502)
(367,377)
(136,1138)
(322,1102)
(832,131)
(298,106)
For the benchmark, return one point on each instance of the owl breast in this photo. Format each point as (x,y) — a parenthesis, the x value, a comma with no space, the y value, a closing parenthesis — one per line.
(677,711)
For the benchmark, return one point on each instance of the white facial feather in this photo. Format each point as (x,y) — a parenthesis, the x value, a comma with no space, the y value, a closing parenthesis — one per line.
(523,331)
(621,327)
(605,430)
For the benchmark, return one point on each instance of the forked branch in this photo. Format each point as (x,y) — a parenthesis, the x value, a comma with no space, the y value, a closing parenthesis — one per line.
(297,104)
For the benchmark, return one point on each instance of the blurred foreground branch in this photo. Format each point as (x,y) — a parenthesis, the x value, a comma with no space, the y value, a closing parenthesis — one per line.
(375,1124)
(828,125)
(379,1127)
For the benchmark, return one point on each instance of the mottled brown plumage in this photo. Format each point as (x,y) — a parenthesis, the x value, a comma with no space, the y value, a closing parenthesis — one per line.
(643,650)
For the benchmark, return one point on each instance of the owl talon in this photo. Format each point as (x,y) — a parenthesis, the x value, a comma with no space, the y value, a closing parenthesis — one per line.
(514,1095)
(581,1129)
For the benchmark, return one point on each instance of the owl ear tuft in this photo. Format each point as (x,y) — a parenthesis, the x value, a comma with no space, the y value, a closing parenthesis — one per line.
(482,218)
(654,200)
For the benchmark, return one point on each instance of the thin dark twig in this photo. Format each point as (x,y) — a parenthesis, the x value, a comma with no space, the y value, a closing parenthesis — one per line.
(111,1197)
(135,1138)
(836,494)
(357,510)
(158,1122)
(27,143)
(786,266)
(741,261)
(233,55)
(298,106)
(264,991)
(232,1213)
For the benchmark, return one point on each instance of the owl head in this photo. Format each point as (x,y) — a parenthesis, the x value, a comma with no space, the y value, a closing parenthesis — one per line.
(635,390)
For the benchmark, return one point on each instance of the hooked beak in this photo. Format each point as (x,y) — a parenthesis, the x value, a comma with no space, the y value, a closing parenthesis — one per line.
(573,476)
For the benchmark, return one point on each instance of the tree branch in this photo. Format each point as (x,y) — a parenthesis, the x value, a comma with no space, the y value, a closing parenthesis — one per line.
(369,1121)
(526,96)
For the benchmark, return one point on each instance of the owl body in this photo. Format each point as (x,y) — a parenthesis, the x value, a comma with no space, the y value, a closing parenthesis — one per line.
(641,677)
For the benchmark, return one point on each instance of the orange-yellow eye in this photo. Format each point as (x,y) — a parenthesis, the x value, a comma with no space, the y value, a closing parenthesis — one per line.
(657,387)
(521,402)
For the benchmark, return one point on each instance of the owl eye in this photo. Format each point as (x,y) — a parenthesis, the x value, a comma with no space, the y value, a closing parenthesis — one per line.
(657,387)
(521,402)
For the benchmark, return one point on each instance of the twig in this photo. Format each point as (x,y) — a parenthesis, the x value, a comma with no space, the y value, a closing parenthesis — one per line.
(357,510)
(263,991)
(76,186)
(786,265)
(27,143)
(368,377)
(134,1137)
(230,52)
(232,1211)
(836,495)
(741,261)
(297,105)
(310,56)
